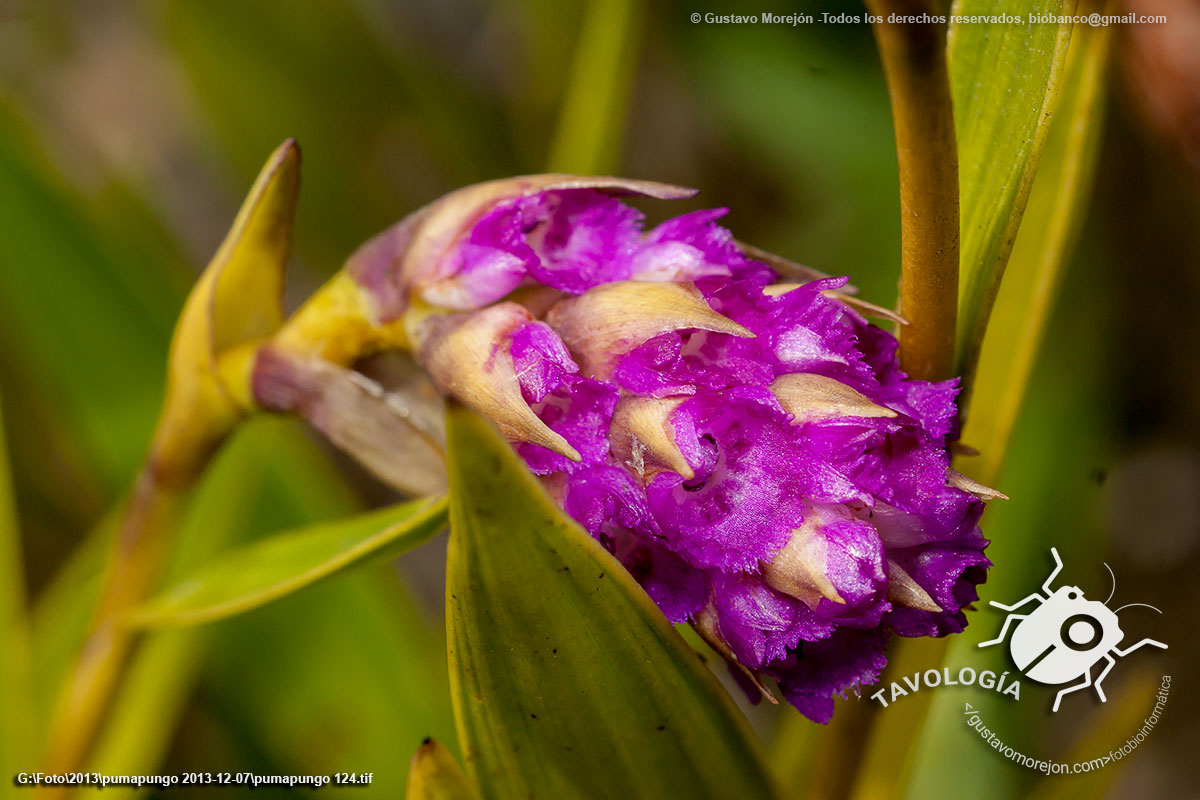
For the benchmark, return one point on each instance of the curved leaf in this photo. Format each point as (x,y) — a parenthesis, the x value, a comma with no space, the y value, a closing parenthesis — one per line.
(267,570)
(1024,309)
(1005,80)
(435,775)
(238,299)
(567,679)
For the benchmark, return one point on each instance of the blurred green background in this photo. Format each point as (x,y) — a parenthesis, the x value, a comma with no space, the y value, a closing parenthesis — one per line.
(129,132)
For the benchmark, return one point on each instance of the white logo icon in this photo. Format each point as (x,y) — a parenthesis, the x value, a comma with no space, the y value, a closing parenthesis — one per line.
(1066,635)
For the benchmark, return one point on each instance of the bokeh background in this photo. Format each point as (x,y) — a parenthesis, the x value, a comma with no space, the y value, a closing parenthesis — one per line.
(129,132)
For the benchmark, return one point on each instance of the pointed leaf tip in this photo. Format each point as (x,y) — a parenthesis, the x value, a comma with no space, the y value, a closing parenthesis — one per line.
(435,775)
(238,299)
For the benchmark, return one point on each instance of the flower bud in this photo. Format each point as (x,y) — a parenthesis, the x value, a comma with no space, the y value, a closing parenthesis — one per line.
(608,321)
(644,439)
(904,591)
(468,357)
(751,451)
(809,397)
(799,567)
(834,563)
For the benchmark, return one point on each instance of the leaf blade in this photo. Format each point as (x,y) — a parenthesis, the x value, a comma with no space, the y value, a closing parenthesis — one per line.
(435,775)
(250,577)
(588,640)
(1005,80)
(1039,256)
(1018,324)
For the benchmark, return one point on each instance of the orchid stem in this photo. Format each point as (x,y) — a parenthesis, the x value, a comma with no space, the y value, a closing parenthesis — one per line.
(333,325)
(142,543)
(914,63)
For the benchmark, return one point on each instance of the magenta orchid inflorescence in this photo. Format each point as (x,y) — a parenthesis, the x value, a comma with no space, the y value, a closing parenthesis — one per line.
(750,450)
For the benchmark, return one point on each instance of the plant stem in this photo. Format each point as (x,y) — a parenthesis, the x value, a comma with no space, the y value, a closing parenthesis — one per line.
(143,536)
(198,416)
(914,62)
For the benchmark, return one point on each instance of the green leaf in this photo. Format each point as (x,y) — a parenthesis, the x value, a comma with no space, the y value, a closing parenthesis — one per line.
(392,683)
(597,95)
(567,680)
(267,570)
(18,724)
(1005,80)
(435,775)
(1057,437)
(1023,305)
(373,681)
(1014,333)
(238,299)
(162,670)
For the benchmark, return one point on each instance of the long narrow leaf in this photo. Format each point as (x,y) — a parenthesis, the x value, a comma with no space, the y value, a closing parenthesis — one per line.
(1005,80)
(567,680)
(1015,330)
(1039,256)
(267,570)
(1010,352)
(594,106)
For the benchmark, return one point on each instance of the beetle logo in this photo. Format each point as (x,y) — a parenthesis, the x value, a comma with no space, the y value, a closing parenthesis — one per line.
(1066,635)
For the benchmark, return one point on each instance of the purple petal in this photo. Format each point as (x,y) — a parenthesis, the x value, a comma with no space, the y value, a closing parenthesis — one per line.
(746,496)
(760,624)
(950,573)
(540,360)
(856,566)
(846,660)
(580,411)
(587,240)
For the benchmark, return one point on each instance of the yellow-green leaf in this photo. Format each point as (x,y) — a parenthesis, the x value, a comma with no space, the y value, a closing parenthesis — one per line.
(435,775)
(17,723)
(245,277)
(596,98)
(1023,306)
(249,577)
(1005,80)
(1039,256)
(1023,311)
(237,300)
(567,679)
